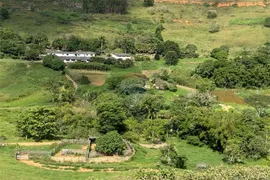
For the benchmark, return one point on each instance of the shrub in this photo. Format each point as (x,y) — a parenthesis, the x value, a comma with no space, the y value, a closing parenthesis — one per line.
(124,63)
(142,58)
(170,157)
(53,62)
(194,140)
(31,54)
(148,3)
(84,80)
(190,51)
(4,14)
(267,22)
(171,58)
(214,28)
(131,136)
(172,87)
(211,14)
(157,57)
(110,144)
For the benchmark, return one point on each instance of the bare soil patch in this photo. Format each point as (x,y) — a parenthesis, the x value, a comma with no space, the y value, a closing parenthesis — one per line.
(228,96)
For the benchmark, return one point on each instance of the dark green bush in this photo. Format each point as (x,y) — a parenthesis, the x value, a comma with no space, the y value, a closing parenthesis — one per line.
(171,58)
(148,3)
(267,22)
(110,144)
(142,58)
(4,14)
(211,14)
(89,66)
(84,80)
(53,62)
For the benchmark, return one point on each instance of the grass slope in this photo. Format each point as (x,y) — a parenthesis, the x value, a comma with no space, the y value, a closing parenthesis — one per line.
(183,23)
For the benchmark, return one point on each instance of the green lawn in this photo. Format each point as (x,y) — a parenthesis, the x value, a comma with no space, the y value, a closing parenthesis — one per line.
(24,83)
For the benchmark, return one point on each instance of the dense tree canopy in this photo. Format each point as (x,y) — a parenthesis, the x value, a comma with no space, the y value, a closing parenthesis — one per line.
(39,124)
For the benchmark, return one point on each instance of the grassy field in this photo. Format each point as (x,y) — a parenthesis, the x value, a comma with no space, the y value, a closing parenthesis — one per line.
(24,83)
(22,86)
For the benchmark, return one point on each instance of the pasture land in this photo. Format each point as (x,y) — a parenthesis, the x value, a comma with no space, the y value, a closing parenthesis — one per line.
(241,27)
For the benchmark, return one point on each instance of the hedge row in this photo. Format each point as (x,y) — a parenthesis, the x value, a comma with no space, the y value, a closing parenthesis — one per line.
(89,66)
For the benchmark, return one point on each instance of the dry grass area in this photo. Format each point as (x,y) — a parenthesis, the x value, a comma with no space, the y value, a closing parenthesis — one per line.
(228,96)
(220,4)
(96,78)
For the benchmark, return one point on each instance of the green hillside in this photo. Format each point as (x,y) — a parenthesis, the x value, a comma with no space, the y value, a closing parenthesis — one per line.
(192,101)
(183,23)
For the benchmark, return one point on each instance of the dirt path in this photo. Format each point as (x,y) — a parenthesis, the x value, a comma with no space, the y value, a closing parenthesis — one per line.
(187,88)
(154,146)
(75,85)
(221,4)
(60,168)
(226,107)
(33,143)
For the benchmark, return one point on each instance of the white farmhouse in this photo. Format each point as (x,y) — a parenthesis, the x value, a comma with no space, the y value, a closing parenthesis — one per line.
(121,56)
(73,56)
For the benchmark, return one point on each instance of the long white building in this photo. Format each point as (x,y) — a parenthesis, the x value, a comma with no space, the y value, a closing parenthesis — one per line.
(74,56)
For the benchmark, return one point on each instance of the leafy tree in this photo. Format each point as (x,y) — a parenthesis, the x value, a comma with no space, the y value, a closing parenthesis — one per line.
(53,62)
(151,105)
(171,58)
(32,54)
(148,3)
(61,92)
(59,43)
(127,44)
(110,144)
(113,82)
(171,46)
(39,124)
(111,115)
(153,130)
(132,85)
(190,51)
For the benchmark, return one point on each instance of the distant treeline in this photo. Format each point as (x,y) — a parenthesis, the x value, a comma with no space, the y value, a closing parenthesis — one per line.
(105,6)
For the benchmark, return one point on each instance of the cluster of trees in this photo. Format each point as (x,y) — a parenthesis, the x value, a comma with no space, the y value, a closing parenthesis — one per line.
(244,71)
(238,135)
(105,6)
(16,46)
(53,62)
(75,43)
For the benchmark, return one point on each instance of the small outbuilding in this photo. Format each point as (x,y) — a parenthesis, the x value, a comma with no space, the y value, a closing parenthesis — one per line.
(121,56)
